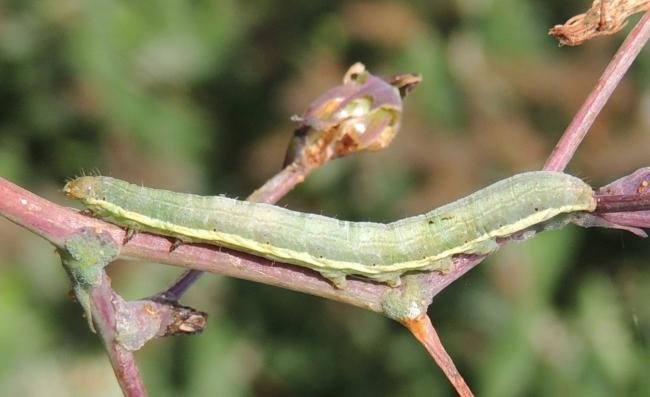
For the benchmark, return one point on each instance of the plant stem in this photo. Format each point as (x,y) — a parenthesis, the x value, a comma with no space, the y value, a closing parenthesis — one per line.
(426,334)
(122,360)
(584,119)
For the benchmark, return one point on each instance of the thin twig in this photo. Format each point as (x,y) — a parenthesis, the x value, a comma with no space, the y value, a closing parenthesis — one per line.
(426,334)
(622,203)
(122,360)
(584,119)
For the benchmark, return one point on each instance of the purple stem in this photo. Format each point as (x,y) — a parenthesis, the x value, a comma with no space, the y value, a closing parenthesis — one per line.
(584,119)
(180,286)
(122,360)
(623,203)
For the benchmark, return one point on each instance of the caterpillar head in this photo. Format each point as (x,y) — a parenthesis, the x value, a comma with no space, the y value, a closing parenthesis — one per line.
(82,188)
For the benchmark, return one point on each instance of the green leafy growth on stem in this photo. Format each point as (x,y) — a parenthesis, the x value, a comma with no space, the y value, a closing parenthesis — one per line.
(84,256)
(407,302)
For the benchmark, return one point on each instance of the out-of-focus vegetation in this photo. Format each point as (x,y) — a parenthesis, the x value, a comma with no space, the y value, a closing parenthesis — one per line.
(196,96)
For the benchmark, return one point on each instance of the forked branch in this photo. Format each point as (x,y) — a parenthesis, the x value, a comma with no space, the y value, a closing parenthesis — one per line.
(58,224)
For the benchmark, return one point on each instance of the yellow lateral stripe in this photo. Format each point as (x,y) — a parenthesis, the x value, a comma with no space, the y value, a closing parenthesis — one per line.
(310,261)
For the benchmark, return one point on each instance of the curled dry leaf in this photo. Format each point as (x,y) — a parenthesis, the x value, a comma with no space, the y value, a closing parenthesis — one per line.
(363,113)
(605,17)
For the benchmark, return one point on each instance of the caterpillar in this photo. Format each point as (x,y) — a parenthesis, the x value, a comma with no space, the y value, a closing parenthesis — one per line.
(336,248)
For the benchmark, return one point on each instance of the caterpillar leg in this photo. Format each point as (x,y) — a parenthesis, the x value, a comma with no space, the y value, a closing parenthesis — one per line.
(392,279)
(87,212)
(130,232)
(175,244)
(336,278)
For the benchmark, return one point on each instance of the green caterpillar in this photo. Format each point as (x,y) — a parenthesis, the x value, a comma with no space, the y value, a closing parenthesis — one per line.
(337,248)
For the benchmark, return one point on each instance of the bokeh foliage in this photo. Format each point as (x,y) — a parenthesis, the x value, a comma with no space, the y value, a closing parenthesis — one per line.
(196,96)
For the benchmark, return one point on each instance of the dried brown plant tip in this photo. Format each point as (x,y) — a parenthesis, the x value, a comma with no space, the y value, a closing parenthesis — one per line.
(605,17)
(186,321)
(363,113)
(405,82)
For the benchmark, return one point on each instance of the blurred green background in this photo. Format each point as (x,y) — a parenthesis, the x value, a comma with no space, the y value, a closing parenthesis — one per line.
(196,96)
